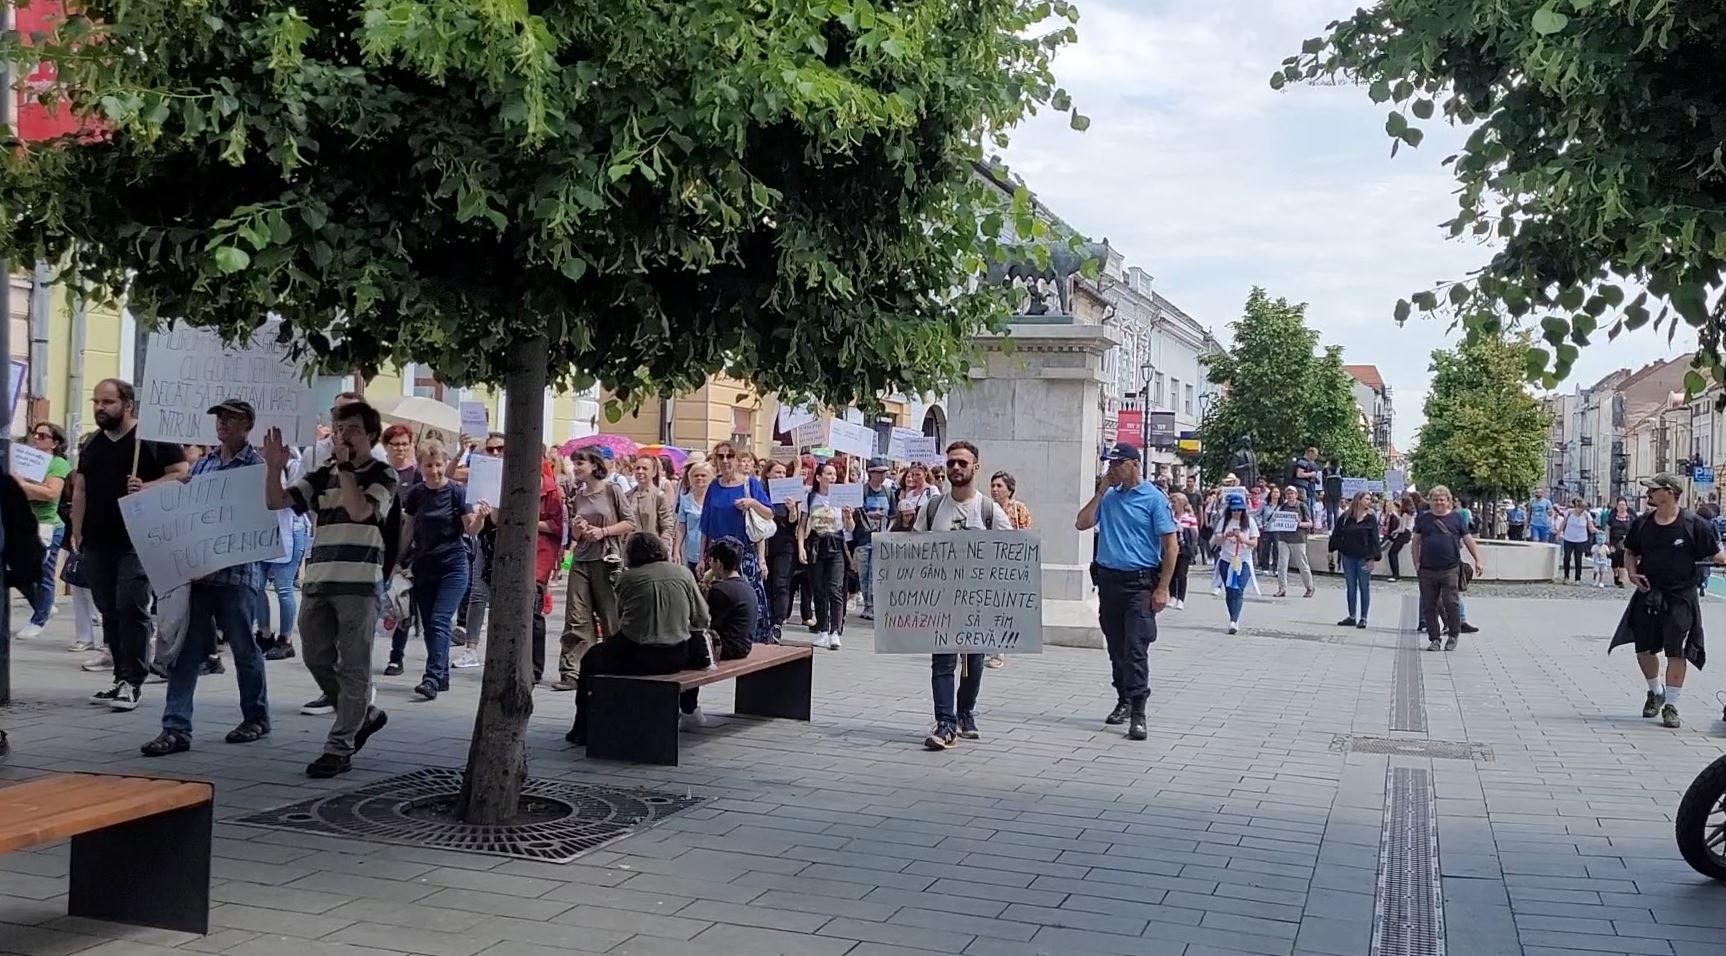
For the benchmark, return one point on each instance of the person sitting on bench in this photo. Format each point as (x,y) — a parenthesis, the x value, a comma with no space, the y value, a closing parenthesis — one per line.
(659,610)
(731,605)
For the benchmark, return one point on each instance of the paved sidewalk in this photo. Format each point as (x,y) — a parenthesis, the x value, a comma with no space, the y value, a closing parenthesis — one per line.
(1249,823)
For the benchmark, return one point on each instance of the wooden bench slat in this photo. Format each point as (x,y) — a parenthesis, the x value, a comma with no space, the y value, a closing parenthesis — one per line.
(68,805)
(761,657)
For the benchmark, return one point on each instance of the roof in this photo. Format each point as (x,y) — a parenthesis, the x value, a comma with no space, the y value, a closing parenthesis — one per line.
(1366,375)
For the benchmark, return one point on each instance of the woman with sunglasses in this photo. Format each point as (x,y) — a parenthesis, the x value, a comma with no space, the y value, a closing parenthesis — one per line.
(44,497)
(733,493)
(1235,538)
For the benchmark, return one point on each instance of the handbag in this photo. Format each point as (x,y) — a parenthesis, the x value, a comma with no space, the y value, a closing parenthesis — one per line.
(758,526)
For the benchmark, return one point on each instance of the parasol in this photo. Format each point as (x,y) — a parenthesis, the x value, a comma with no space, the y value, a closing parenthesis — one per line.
(428,417)
(619,445)
(679,457)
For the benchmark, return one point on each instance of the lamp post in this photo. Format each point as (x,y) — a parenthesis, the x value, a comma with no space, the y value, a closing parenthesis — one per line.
(1146,370)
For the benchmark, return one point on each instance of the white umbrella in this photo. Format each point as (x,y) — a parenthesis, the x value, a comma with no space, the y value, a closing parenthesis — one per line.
(428,417)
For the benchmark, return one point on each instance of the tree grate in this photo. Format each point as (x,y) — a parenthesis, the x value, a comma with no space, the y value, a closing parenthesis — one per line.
(1406,747)
(560,822)
(1408,912)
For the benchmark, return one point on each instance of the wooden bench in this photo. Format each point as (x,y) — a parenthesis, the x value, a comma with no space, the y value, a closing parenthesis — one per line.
(635,718)
(140,846)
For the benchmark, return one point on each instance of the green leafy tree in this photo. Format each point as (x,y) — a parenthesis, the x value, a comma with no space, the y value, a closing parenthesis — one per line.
(1485,434)
(631,192)
(1594,158)
(1285,393)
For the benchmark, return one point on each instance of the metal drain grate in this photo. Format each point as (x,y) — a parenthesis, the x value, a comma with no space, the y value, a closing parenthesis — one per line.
(1408,914)
(1404,747)
(561,822)
(1408,691)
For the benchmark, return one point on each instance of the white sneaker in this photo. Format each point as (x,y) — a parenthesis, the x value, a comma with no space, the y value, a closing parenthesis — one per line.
(101,662)
(1216,591)
(1177,604)
(832,642)
(29,632)
(467,659)
(126,698)
(82,647)
(1233,627)
(819,640)
(694,721)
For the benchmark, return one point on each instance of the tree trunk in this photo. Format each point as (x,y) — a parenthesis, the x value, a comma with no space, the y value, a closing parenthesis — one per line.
(497,756)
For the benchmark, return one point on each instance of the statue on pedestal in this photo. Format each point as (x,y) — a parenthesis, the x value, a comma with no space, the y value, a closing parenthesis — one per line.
(1244,464)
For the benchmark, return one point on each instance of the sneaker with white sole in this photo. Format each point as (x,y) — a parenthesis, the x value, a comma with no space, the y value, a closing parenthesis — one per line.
(467,658)
(101,662)
(28,632)
(81,647)
(107,696)
(318,707)
(695,720)
(126,698)
(820,639)
(833,643)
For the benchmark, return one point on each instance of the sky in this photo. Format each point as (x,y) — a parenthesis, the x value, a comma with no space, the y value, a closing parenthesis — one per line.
(1197,171)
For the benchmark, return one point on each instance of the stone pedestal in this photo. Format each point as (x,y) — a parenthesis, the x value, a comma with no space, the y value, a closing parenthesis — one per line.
(1032,409)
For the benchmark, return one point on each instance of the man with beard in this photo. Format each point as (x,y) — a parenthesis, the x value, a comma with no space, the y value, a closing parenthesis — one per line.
(115,464)
(961,509)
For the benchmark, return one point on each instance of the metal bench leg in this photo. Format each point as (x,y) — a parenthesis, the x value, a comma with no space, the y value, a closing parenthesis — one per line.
(781,691)
(149,872)
(633,720)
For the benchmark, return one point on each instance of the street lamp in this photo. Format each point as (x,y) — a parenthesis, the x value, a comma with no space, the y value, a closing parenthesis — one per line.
(1145,370)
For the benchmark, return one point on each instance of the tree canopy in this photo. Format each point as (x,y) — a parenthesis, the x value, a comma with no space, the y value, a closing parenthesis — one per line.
(1595,158)
(1485,435)
(786,192)
(1283,392)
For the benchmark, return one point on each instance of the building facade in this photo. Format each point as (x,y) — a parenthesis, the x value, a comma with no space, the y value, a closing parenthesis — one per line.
(1372,398)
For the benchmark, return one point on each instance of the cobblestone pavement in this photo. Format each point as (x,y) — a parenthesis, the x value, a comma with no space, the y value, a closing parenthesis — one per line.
(1253,821)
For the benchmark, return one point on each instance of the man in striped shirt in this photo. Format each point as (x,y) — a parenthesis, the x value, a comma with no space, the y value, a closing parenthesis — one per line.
(349,498)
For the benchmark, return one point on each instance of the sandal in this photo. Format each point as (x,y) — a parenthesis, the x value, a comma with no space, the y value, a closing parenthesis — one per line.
(247,732)
(995,662)
(167,742)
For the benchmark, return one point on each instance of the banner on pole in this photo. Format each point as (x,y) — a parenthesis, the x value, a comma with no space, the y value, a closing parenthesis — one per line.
(187,371)
(969,592)
(185,530)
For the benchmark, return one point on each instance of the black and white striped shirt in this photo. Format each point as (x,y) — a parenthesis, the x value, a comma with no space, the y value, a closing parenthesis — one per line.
(347,556)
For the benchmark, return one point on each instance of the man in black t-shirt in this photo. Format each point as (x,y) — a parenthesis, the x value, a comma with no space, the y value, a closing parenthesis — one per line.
(111,466)
(731,612)
(1440,536)
(1664,552)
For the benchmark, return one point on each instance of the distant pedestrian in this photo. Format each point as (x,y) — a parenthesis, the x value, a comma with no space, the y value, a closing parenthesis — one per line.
(1540,517)
(1576,531)
(1618,524)
(1355,541)
(1187,541)
(437,523)
(1291,545)
(821,545)
(1440,536)
(1332,477)
(1515,521)
(1235,537)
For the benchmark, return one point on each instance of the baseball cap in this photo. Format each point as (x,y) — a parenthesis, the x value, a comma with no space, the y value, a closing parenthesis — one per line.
(1665,480)
(1122,452)
(234,406)
(877,464)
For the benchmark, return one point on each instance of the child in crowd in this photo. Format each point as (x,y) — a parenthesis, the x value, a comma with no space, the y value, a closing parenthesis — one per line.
(1602,563)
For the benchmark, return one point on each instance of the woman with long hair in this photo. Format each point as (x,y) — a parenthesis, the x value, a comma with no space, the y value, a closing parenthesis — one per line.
(1187,537)
(601,518)
(437,520)
(781,550)
(1576,530)
(1355,539)
(1398,529)
(44,497)
(733,493)
(1617,529)
(821,545)
(1235,538)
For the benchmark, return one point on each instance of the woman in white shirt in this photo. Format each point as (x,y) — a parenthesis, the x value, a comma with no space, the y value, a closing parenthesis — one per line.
(1576,528)
(1234,538)
(821,547)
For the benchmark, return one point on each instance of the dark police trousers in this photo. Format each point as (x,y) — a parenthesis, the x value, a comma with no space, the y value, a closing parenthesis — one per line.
(1129,627)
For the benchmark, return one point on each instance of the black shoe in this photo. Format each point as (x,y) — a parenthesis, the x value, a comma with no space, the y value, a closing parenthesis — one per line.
(942,738)
(327,766)
(1361,624)
(1119,714)
(1347,622)
(393,669)
(374,722)
(968,727)
(107,696)
(264,641)
(577,737)
(127,697)
(211,665)
(318,707)
(1651,706)
(279,652)
(167,742)
(426,691)
(1136,729)
(1420,628)
(247,732)
(1468,628)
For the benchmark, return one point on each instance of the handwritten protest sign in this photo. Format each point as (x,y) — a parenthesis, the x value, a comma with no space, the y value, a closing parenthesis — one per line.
(474,421)
(186,371)
(484,479)
(925,450)
(858,440)
(1283,521)
(958,592)
(1352,487)
(28,463)
(898,447)
(846,496)
(786,490)
(809,433)
(216,520)
(782,453)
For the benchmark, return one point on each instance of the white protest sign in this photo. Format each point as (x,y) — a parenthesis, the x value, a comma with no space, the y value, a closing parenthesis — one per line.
(1283,521)
(187,371)
(1375,486)
(30,464)
(898,443)
(972,592)
(475,422)
(846,496)
(858,440)
(924,450)
(782,453)
(484,479)
(782,491)
(1352,487)
(216,520)
(809,433)
(1395,482)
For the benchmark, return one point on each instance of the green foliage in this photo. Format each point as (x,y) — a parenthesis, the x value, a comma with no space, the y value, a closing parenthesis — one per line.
(1595,158)
(1284,393)
(786,191)
(1485,435)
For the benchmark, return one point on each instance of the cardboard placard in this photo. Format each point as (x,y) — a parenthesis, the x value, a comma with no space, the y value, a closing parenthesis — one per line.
(29,463)
(925,450)
(812,432)
(958,592)
(484,479)
(185,530)
(846,496)
(857,440)
(1283,521)
(783,491)
(187,371)
(475,420)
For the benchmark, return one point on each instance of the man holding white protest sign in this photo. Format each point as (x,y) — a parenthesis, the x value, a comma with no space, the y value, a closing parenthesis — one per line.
(221,600)
(1136,554)
(115,463)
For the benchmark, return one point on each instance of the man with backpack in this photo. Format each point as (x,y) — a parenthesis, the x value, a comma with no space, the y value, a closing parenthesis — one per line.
(963,508)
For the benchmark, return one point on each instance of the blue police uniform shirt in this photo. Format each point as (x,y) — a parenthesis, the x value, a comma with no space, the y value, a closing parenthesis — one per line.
(1130,527)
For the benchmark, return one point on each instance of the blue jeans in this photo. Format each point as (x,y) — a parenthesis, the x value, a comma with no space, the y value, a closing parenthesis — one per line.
(943,669)
(1359,580)
(440,584)
(280,578)
(1235,599)
(1540,532)
(213,606)
(42,596)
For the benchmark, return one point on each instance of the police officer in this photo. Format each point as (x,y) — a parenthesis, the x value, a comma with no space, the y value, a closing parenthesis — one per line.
(1136,553)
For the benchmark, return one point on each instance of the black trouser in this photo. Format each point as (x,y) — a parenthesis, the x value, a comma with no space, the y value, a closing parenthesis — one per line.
(1396,545)
(779,570)
(121,593)
(1574,549)
(1439,596)
(803,589)
(1178,587)
(1513,532)
(538,632)
(827,570)
(1129,627)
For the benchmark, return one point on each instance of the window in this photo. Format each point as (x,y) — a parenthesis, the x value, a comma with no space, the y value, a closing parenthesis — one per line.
(742,426)
(1157,390)
(1174,393)
(425,382)
(1189,400)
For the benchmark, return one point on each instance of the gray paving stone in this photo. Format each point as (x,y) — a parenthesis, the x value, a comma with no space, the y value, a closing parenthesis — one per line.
(760,916)
(900,935)
(627,921)
(407,939)
(947,921)
(748,939)
(555,935)
(1581,942)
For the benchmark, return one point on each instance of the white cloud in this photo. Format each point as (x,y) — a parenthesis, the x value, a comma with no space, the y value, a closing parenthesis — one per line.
(1196,170)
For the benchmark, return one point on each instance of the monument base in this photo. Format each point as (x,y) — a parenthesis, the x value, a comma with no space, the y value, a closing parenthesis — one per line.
(1072,624)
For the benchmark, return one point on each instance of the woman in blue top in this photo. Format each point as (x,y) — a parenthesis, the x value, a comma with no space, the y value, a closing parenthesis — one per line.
(687,542)
(732,493)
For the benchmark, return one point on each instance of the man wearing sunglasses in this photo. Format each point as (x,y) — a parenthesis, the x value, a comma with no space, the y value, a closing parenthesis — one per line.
(1136,552)
(961,509)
